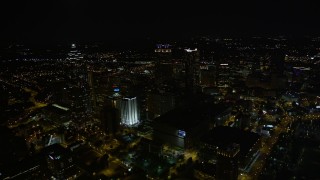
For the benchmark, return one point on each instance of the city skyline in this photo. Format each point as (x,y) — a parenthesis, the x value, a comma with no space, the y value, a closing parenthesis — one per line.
(159,90)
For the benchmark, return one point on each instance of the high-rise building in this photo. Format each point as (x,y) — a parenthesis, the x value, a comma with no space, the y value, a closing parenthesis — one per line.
(115,99)
(129,111)
(208,75)
(227,162)
(92,89)
(74,54)
(164,68)
(160,103)
(181,127)
(110,112)
(192,69)
(4,99)
(221,146)
(224,73)
(110,119)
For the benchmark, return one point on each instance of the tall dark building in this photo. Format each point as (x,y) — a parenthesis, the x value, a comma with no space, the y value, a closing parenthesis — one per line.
(228,162)
(181,127)
(192,70)
(4,99)
(160,103)
(91,85)
(231,149)
(111,120)
(164,67)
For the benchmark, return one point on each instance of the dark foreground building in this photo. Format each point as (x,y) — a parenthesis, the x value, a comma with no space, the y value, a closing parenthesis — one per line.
(231,149)
(181,127)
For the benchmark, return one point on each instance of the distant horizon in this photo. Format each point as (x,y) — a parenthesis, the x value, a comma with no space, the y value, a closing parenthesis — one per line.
(120,22)
(142,41)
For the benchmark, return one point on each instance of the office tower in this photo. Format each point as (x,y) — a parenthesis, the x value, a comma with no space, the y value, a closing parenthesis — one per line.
(115,99)
(74,54)
(91,84)
(164,68)
(227,162)
(4,99)
(192,70)
(208,75)
(224,73)
(110,119)
(129,111)
(160,102)
(181,127)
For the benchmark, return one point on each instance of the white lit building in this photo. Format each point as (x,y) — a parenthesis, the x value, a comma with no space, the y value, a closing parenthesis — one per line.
(74,54)
(129,111)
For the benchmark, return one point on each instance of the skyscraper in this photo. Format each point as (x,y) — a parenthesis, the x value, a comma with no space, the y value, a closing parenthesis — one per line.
(227,162)
(160,103)
(4,99)
(91,84)
(129,111)
(74,54)
(192,69)
(110,113)
(110,119)
(164,68)
(224,73)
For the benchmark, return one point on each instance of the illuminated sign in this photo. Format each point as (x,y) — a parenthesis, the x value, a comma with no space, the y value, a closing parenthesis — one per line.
(191,50)
(181,133)
(116,90)
(159,46)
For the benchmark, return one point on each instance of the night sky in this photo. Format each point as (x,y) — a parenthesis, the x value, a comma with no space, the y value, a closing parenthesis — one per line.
(110,21)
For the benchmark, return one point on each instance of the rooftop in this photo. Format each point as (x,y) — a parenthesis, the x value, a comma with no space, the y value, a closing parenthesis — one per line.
(189,117)
(223,136)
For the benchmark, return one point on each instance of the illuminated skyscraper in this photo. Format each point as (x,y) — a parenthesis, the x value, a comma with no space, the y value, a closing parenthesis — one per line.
(129,111)
(74,54)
